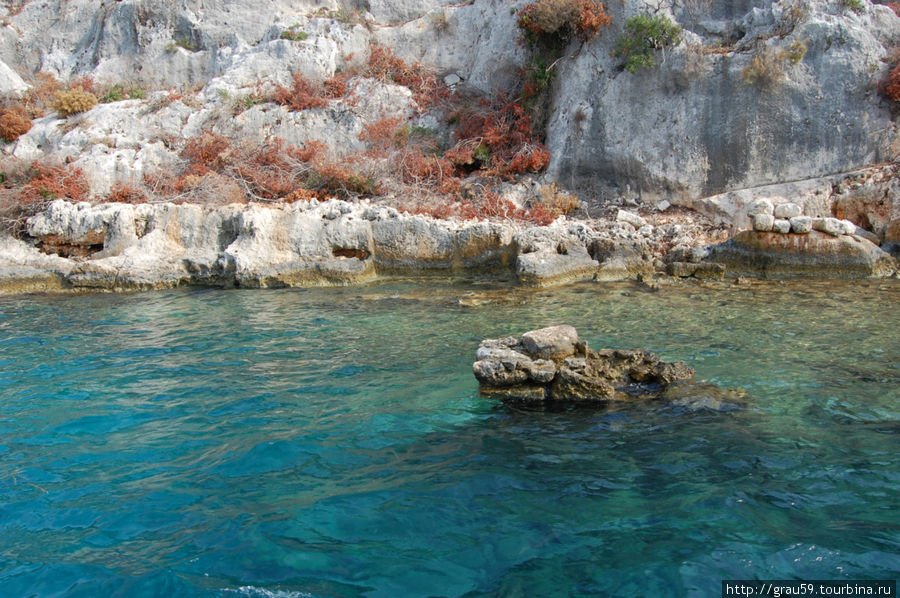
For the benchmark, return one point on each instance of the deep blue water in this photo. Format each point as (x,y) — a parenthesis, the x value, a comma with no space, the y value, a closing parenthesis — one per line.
(330,442)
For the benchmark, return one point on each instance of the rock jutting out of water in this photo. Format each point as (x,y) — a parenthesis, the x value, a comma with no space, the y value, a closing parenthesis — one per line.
(553,366)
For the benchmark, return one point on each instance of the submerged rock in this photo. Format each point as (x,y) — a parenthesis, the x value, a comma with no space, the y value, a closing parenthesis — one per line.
(552,365)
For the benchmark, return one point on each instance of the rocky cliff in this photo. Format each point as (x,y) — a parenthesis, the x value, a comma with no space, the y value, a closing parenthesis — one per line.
(752,99)
(692,126)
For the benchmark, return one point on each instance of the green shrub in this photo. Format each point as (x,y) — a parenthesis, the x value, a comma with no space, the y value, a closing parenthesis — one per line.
(73,101)
(854,5)
(294,36)
(118,92)
(644,35)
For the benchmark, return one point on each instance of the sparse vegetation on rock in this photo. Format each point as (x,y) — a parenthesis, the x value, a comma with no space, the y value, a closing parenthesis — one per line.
(644,36)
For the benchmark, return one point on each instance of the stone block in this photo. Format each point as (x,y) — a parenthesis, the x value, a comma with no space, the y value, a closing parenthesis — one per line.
(781,226)
(787,211)
(761,206)
(631,218)
(830,226)
(763,222)
(801,225)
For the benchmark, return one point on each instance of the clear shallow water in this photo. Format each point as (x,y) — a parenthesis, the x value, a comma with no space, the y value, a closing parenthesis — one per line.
(330,442)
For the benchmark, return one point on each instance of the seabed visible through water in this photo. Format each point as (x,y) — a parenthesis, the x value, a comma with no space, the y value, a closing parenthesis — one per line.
(330,442)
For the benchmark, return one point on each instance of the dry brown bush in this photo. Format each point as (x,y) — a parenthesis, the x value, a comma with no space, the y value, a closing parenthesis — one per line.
(74,101)
(14,122)
(765,70)
(556,201)
(41,95)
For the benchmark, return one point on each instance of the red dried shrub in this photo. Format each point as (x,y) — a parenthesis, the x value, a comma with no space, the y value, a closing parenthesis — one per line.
(207,152)
(336,87)
(85,83)
(559,20)
(486,205)
(890,85)
(427,89)
(14,122)
(381,136)
(341,180)
(495,135)
(125,193)
(55,182)
(272,171)
(41,95)
(895,6)
(303,94)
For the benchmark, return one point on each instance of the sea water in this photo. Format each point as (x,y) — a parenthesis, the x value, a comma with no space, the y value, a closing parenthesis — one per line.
(331,442)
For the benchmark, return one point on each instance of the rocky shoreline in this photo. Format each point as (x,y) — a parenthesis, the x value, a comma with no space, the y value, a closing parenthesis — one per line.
(123,247)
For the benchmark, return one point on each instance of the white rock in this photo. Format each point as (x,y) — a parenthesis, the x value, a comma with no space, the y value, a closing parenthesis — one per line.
(782,226)
(761,206)
(630,218)
(849,228)
(831,226)
(801,224)
(763,222)
(11,84)
(787,210)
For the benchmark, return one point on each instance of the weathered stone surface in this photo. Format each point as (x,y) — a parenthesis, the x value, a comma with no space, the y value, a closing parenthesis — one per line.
(763,222)
(631,218)
(704,270)
(761,206)
(892,232)
(831,226)
(781,226)
(554,343)
(710,270)
(817,254)
(681,269)
(550,256)
(552,365)
(787,211)
(706,128)
(801,225)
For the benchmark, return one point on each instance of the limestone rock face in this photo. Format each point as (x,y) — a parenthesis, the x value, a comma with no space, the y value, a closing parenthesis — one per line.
(550,255)
(693,126)
(552,366)
(817,254)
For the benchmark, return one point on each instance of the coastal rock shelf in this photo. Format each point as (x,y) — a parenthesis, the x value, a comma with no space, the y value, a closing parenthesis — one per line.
(121,247)
(784,243)
(552,365)
(124,247)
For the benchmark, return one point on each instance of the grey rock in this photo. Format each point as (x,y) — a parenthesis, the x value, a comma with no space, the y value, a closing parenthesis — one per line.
(631,218)
(831,226)
(763,222)
(550,255)
(761,206)
(813,255)
(787,211)
(554,343)
(801,225)
(781,226)
(552,366)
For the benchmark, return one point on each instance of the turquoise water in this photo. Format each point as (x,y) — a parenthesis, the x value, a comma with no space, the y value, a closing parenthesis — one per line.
(330,442)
